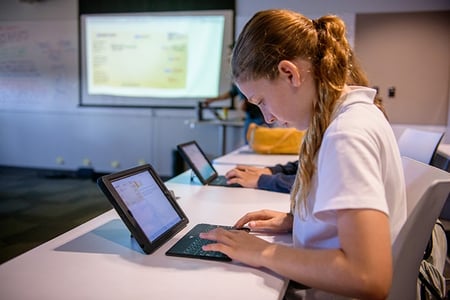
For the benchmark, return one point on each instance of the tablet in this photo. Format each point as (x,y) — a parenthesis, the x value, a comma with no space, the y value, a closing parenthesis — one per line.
(145,205)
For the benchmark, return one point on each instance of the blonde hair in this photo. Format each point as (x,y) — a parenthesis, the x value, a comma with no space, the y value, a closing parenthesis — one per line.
(357,76)
(275,35)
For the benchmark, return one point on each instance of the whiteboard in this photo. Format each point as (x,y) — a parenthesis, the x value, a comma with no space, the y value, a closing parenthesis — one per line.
(39,65)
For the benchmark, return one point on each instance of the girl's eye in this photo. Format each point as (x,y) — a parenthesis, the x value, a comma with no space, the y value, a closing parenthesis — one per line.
(258,102)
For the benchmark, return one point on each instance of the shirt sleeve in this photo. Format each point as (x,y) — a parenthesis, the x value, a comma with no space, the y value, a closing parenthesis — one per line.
(277,183)
(349,175)
(289,168)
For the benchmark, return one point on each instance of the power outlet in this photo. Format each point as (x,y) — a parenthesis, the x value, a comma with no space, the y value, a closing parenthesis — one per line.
(60,160)
(115,164)
(391,92)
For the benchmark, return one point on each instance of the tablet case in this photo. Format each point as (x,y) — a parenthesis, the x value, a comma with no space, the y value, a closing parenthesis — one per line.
(148,246)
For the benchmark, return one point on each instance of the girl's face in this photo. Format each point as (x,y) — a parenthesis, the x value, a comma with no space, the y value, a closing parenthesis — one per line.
(287,100)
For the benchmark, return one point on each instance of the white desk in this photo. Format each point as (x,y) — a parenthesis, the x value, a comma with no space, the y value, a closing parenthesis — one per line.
(99,260)
(245,156)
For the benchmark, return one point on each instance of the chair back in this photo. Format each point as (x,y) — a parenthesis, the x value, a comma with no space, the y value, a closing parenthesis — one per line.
(419,144)
(427,189)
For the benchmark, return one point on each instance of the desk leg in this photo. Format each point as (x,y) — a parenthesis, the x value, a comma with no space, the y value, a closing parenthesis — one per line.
(222,139)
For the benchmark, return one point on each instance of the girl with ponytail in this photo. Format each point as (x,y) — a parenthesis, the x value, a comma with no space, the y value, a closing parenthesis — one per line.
(348,201)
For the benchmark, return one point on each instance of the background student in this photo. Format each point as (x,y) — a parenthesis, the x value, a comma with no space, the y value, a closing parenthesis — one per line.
(252,112)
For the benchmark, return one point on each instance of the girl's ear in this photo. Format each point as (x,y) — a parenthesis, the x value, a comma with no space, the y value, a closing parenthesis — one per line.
(289,71)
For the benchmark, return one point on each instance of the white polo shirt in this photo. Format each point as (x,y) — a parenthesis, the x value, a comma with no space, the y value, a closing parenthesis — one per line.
(358,167)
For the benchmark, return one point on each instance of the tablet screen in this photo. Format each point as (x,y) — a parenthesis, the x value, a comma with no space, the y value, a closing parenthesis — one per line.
(198,161)
(147,203)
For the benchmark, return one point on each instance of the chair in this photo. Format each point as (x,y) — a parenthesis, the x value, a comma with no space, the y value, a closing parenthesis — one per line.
(419,144)
(427,189)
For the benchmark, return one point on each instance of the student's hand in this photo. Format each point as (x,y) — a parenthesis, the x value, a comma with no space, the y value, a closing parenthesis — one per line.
(267,220)
(237,244)
(246,176)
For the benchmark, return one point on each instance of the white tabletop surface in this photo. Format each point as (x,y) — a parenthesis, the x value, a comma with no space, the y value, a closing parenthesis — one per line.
(245,156)
(99,260)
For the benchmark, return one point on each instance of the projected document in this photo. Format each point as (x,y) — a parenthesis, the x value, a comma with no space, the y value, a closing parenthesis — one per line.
(158,56)
(130,59)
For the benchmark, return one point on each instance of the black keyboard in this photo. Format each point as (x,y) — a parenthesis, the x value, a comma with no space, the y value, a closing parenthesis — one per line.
(222,181)
(190,245)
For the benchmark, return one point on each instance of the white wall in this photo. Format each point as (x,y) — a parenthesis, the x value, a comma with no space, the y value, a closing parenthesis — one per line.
(69,137)
(42,125)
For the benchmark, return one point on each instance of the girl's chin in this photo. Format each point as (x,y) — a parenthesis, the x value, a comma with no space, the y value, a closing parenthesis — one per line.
(299,126)
(287,124)
(279,123)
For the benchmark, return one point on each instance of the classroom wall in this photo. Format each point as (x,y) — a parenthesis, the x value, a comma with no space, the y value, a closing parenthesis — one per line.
(41,124)
(412,56)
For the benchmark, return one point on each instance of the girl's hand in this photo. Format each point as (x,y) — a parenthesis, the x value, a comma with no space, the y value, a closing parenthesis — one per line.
(237,244)
(245,247)
(267,220)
